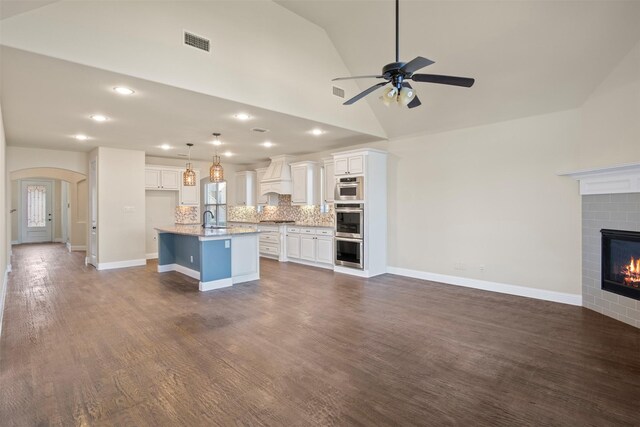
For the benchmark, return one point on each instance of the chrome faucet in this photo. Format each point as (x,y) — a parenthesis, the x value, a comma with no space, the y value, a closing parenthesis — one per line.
(204,217)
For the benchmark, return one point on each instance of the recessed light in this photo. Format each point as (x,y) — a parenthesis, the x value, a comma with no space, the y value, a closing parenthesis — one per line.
(81,137)
(317,132)
(124,90)
(242,116)
(228,153)
(165,147)
(216,142)
(99,118)
(267,144)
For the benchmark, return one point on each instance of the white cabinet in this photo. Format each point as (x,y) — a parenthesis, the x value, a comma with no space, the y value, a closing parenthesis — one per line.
(261,200)
(245,188)
(293,244)
(161,179)
(349,165)
(310,245)
(190,194)
(324,249)
(305,178)
(329,186)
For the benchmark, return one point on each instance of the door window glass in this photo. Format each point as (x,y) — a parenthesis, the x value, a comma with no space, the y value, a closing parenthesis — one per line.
(36,205)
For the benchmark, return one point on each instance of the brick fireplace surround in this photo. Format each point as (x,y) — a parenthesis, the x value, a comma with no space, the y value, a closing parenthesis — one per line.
(610,199)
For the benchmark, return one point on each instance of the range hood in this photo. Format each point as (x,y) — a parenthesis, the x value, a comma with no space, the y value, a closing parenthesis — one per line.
(277,177)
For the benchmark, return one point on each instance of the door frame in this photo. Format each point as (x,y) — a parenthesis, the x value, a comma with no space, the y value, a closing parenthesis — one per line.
(23,211)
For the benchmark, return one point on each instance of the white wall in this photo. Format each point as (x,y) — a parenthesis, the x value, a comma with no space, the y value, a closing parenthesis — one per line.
(611,117)
(160,209)
(121,206)
(5,200)
(26,158)
(489,196)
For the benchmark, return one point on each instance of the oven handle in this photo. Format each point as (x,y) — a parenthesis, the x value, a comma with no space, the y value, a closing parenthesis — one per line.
(347,239)
(347,184)
(349,210)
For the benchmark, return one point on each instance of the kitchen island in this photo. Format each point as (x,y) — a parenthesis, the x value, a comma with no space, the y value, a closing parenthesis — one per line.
(218,258)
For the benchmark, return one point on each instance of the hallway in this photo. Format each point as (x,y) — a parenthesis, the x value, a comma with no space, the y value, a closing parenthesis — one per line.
(303,346)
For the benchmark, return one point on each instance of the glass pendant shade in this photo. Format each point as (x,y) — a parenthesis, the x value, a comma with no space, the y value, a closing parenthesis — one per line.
(189,176)
(216,173)
(406,95)
(389,96)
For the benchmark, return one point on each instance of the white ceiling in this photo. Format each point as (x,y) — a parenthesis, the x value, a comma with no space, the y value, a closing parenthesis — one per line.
(528,57)
(10,8)
(45,101)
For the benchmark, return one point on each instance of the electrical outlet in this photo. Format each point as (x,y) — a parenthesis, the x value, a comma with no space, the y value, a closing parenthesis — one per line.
(227,244)
(482,267)
(192,259)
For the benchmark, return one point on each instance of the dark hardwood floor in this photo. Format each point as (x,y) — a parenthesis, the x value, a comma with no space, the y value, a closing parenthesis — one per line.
(302,346)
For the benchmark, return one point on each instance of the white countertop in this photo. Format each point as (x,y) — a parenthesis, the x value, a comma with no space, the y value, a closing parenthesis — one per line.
(295,224)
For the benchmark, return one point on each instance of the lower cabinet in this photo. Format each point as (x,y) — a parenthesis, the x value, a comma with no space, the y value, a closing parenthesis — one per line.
(310,245)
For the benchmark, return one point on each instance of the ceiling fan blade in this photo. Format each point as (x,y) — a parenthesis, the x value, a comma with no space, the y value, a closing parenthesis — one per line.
(356,77)
(445,80)
(415,64)
(415,102)
(365,93)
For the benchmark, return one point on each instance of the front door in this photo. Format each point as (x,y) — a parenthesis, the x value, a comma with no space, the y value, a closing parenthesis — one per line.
(36,211)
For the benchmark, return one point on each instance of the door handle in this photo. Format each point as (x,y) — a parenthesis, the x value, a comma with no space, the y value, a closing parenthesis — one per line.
(93,228)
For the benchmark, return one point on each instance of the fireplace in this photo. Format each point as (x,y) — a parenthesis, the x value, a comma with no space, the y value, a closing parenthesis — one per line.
(621,262)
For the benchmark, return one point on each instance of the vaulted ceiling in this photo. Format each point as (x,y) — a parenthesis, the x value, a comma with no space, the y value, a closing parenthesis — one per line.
(276,60)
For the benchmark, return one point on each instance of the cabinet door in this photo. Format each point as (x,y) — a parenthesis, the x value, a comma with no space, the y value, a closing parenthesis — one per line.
(170,180)
(293,245)
(324,250)
(190,195)
(341,166)
(152,179)
(308,247)
(299,178)
(356,164)
(329,183)
(241,190)
(261,200)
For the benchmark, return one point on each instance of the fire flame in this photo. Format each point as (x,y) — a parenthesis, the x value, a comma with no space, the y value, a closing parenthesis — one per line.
(632,273)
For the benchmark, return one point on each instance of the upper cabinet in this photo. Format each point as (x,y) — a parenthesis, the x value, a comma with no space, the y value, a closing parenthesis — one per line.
(245,188)
(267,199)
(167,178)
(352,164)
(190,194)
(329,186)
(157,178)
(305,177)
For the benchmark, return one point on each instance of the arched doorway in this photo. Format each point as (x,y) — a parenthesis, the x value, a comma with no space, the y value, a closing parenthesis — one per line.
(68,220)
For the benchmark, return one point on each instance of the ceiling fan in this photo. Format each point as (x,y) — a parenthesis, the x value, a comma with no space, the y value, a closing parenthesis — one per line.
(397,73)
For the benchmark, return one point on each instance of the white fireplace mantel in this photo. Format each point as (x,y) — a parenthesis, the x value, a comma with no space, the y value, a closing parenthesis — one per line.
(612,180)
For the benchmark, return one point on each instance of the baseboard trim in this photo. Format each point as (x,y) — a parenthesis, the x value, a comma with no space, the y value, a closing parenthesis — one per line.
(180,269)
(215,284)
(77,248)
(121,264)
(503,288)
(15,242)
(245,278)
(309,263)
(3,293)
(351,271)
(153,255)
(58,240)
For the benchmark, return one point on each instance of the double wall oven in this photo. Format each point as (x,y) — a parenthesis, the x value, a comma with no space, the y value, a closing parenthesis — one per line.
(349,238)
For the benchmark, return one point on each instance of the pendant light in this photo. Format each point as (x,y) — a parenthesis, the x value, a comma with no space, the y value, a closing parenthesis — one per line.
(189,175)
(216,173)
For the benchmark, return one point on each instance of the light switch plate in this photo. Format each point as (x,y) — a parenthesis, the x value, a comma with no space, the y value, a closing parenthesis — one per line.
(227,244)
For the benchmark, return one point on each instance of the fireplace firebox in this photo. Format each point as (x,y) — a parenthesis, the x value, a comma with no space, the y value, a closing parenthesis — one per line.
(621,262)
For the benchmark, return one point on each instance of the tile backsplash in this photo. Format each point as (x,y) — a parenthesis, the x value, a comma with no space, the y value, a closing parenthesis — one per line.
(187,215)
(284,211)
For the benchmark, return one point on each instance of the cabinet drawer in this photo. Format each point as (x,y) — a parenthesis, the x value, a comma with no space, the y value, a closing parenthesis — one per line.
(308,230)
(324,232)
(293,229)
(269,237)
(268,228)
(270,249)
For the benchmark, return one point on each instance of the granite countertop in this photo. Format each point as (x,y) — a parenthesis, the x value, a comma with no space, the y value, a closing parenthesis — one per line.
(297,223)
(197,230)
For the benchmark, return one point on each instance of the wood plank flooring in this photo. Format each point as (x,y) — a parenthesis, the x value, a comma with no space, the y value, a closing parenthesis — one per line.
(302,346)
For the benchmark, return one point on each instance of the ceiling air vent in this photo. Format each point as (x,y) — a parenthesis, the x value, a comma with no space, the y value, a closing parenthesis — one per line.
(260,130)
(198,42)
(338,91)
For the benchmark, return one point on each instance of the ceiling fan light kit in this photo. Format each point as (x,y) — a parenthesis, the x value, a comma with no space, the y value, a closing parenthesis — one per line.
(397,73)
